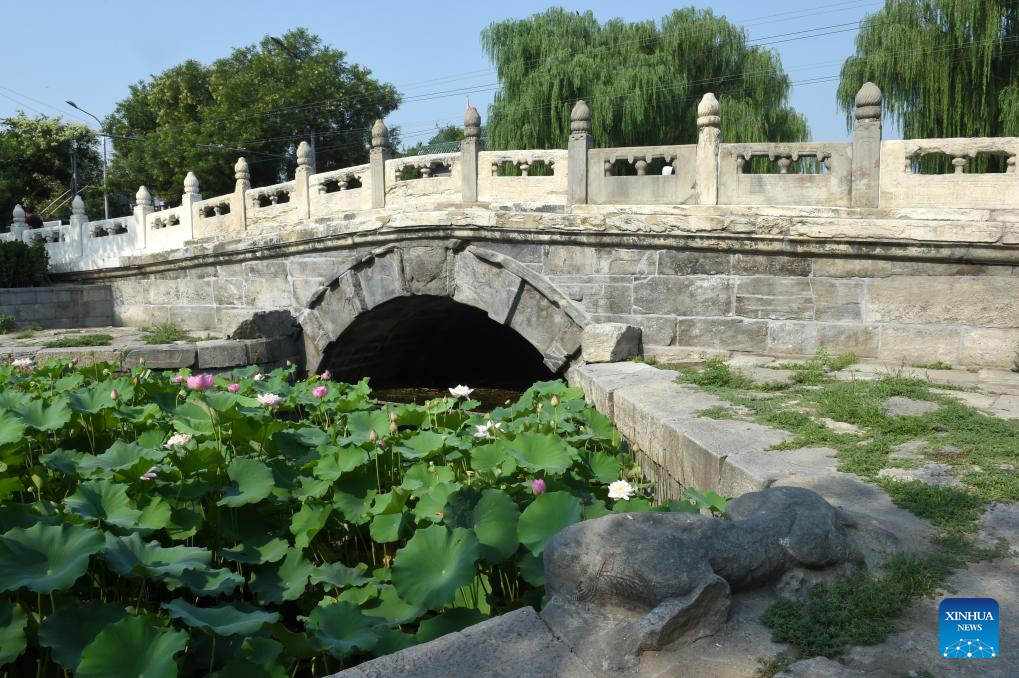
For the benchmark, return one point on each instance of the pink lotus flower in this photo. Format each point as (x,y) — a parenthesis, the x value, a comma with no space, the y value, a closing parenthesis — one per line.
(178,378)
(325,376)
(233,388)
(319,391)
(200,382)
(538,486)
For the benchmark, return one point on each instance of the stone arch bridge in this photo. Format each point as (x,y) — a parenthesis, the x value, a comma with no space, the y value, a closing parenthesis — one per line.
(764,248)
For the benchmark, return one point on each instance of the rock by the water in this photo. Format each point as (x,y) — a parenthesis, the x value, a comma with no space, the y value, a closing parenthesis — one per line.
(609,342)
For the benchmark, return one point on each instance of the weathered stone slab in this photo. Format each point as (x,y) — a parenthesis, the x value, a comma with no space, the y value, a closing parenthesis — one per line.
(756,264)
(165,357)
(85,357)
(672,262)
(774,297)
(221,353)
(980,301)
(683,296)
(609,342)
(924,344)
(731,334)
(514,644)
(900,406)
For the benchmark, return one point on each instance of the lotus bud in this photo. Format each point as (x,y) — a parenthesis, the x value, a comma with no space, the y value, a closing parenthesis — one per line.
(392,416)
(538,409)
(373,436)
(114,395)
(393,427)
(136,380)
(325,376)
(289,363)
(555,401)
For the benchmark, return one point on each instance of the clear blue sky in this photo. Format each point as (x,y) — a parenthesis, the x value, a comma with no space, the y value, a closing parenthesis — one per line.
(90,52)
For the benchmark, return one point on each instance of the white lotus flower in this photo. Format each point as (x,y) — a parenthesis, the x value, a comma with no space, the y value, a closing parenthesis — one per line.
(620,490)
(23,364)
(259,377)
(270,399)
(461,391)
(148,475)
(483,430)
(177,440)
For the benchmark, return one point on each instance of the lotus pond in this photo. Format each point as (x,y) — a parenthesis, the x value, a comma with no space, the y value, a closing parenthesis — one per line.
(165,524)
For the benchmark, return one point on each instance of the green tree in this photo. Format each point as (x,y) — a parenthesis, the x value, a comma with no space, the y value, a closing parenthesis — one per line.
(447,135)
(642,80)
(35,166)
(264,99)
(947,68)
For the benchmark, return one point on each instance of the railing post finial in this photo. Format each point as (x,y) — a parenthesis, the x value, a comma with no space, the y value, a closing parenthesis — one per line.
(304,158)
(143,198)
(709,113)
(78,206)
(709,143)
(469,155)
(866,186)
(380,135)
(242,175)
(868,102)
(580,118)
(191,184)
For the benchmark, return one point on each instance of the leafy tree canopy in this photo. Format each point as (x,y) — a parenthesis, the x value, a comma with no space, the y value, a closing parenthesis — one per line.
(446,135)
(264,98)
(35,166)
(947,68)
(642,80)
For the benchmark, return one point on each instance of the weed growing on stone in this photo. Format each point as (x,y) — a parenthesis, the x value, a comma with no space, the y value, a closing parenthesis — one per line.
(936,365)
(6,323)
(717,412)
(81,340)
(646,359)
(165,333)
(29,331)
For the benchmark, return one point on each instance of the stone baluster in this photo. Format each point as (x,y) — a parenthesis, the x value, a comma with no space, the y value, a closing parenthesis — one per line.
(581,141)
(301,195)
(959,163)
(142,208)
(188,211)
(239,200)
(709,142)
(380,153)
(78,228)
(469,149)
(640,164)
(867,147)
(18,225)
(784,162)
(1010,165)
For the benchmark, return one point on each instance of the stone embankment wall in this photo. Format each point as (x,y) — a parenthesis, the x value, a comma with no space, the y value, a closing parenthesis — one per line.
(62,306)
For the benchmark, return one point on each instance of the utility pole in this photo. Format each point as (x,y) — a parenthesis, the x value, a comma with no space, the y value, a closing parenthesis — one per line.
(106,196)
(74,167)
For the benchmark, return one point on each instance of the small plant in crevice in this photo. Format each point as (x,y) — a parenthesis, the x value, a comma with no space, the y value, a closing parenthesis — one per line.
(7,323)
(80,341)
(165,333)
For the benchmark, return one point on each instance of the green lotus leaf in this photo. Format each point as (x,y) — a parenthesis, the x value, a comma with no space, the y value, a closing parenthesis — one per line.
(361,424)
(391,640)
(604,467)
(286,581)
(353,495)
(131,648)
(12,399)
(184,522)
(340,629)
(254,658)
(540,452)
(490,456)
(252,482)
(46,558)
(12,631)
(223,620)
(548,514)
(218,582)
(422,445)
(42,418)
(308,522)
(65,461)
(257,551)
(69,629)
(311,488)
(448,621)
(333,462)
(12,428)
(194,418)
(128,458)
(104,500)
(532,569)
(431,506)
(385,528)
(130,556)
(434,564)
(156,513)
(495,525)
(422,476)
(92,399)
(13,514)
(359,595)
(339,575)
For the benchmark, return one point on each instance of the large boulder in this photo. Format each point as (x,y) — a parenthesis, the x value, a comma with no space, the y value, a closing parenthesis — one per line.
(609,342)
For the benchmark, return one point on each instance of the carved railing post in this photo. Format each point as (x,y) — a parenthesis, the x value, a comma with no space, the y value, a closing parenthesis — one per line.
(238,201)
(142,208)
(469,155)
(187,205)
(379,154)
(79,225)
(580,143)
(867,147)
(301,195)
(18,225)
(709,141)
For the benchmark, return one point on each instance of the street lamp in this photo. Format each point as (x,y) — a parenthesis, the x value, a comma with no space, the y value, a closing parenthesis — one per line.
(106,197)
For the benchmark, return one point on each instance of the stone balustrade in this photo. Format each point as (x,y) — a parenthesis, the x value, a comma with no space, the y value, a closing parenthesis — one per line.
(863,173)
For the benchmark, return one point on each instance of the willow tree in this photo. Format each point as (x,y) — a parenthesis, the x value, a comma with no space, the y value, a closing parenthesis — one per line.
(642,80)
(947,68)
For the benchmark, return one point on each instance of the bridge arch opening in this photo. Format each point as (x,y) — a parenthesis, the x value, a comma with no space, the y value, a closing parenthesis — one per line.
(433,342)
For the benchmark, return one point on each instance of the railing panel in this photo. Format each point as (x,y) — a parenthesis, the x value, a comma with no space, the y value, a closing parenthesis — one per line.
(672,184)
(829,185)
(270,204)
(525,187)
(439,182)
(214,217)
(339,191)
(103,242)
(166,230)
(903,186)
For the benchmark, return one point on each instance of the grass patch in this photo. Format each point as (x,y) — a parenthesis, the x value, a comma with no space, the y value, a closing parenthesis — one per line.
(6,323)
(29,331)
(81,340)
(716,412)
(936,365)
(950,508)
(858,610)
(646,359)
(716,374)
(165,333)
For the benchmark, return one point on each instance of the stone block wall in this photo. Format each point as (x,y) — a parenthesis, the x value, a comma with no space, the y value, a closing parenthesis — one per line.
(913,312)
(61,306)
